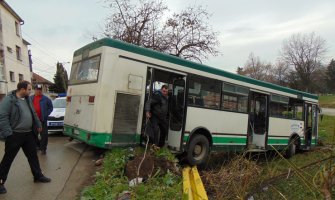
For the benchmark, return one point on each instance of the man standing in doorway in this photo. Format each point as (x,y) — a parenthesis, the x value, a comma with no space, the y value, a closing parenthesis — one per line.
(43,107)
(18,120)
(156,110)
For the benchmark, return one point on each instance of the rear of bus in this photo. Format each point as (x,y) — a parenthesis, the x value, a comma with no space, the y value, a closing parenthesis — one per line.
(79,121)
(104,96)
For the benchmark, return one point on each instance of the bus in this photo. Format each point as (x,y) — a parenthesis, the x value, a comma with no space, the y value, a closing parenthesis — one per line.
(209,109)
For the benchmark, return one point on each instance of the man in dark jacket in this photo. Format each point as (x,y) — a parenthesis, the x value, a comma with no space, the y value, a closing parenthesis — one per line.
(43,107)
(157,108)
(18,120)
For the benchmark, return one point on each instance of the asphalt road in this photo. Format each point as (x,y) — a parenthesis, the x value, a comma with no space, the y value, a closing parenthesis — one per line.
(70,165)
(328,111)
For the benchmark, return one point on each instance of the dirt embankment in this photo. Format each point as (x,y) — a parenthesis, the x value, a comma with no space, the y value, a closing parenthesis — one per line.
(149,167)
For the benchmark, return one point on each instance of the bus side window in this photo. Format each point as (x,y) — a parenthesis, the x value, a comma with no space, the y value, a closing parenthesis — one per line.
(199,101)
(190,100)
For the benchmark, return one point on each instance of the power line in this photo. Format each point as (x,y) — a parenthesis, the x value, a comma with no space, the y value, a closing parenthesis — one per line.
(40,48)
(37,67)
(41,70)
(36,60)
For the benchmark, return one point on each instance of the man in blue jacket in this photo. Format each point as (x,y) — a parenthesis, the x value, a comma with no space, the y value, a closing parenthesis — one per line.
(43,107)
(18,121)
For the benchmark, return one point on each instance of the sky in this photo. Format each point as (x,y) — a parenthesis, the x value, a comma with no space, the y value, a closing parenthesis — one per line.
(56,28)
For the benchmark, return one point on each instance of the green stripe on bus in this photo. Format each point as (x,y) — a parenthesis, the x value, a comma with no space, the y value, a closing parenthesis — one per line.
(283,141)
(179,61)
(315,141)
(236,140)
(100,139)
(233,140)
(186,138)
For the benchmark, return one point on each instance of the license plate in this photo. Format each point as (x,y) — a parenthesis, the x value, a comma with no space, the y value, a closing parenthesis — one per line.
(55,123)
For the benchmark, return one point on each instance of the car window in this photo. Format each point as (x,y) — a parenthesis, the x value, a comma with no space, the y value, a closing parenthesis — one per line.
(59,103)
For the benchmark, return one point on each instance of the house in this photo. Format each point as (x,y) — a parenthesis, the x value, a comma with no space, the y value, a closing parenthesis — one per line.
(39,80)
(15,62)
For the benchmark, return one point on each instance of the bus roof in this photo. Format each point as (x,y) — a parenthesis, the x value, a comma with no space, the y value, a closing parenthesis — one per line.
(179,61)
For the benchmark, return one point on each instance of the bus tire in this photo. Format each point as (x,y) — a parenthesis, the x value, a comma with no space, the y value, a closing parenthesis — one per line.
(292,148)
(198,150)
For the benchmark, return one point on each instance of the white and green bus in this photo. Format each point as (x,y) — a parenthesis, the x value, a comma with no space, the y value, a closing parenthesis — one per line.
(209,109)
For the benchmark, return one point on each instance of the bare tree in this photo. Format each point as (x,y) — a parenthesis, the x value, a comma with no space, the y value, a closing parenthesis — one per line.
(319,79)
(331,76)
(305,53)
(189,35)
(136,23)
(186,34)
(256,69)
(280,73)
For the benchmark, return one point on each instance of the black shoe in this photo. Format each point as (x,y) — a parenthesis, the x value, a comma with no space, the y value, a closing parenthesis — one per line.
(42,179)
(2,189)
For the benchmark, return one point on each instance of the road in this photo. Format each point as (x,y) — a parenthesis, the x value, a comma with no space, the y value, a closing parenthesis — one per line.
(70,165)
(328,111)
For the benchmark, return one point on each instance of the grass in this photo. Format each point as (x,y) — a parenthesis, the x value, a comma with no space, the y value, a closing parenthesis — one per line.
(301,185)
(307,184)
(111,183)
(327,101)
(326,129)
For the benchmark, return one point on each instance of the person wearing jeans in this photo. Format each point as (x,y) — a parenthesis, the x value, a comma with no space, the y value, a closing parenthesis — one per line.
(18,122)
(43,107)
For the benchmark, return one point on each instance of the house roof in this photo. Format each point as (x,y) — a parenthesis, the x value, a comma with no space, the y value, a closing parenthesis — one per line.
(6,5)
(25,42)
(39,79)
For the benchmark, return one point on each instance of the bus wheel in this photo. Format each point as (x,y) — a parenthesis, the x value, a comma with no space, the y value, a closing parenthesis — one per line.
(292,147)
(198,150)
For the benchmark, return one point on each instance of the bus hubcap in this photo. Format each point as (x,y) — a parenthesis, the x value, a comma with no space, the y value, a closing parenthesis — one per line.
(197,150)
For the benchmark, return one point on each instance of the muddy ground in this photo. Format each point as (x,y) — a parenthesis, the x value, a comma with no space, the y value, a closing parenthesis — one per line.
(149,166)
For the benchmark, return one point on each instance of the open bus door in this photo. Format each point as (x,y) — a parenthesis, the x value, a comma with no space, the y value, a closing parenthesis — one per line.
(258,121)
(177,108)
(311,123)
(156,77)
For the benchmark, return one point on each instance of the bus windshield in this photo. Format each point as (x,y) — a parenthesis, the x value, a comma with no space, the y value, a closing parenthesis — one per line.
(85,71)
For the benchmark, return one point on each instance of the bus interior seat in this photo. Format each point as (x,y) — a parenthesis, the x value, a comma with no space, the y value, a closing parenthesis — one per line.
(199,101)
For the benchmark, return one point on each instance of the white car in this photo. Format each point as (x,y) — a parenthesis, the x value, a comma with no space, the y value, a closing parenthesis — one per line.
(56,118)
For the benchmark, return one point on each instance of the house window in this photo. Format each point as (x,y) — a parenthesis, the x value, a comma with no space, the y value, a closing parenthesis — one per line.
(17,28)
(18,53)
(10,50)
(2,75)
(21,77)
(11,76)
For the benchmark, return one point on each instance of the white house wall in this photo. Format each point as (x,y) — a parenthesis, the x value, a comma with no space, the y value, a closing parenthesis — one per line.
(11,39)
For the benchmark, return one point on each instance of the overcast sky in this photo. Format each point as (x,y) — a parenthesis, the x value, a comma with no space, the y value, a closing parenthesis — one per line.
(56,28)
